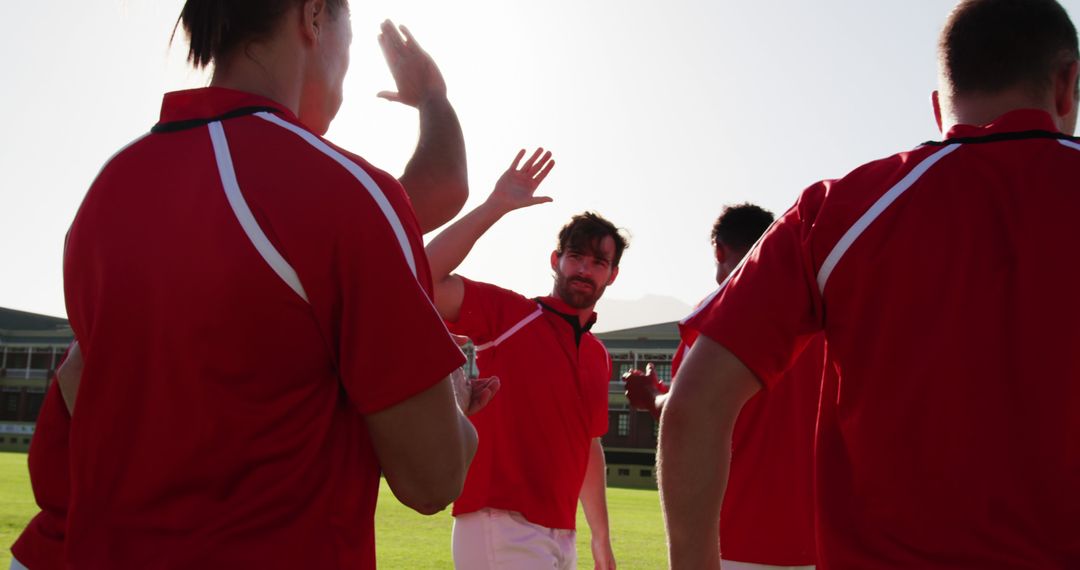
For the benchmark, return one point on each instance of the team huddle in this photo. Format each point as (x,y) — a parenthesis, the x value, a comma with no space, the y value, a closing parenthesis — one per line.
(887,375)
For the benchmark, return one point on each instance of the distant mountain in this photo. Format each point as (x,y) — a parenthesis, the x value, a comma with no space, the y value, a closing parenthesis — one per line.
(616,314)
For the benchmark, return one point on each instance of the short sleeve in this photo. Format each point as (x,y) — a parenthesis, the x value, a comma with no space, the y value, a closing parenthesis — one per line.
(393,343)
(488,311)
(598,415)
(769,308)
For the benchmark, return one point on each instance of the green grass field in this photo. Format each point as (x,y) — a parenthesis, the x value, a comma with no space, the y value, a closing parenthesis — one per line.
(405,539)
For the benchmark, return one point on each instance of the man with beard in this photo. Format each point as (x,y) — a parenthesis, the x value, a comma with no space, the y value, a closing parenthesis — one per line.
(539,445)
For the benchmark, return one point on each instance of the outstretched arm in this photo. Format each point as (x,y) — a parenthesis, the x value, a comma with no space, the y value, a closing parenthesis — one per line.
(436,178)
(514,190)
(695,450)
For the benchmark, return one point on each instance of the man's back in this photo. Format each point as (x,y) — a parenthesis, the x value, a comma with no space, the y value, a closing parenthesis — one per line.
(217,419)
(950,407)
(963,396)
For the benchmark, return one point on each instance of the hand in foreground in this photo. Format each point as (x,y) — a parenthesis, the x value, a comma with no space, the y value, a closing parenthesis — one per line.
(481,391)
(472,395)
(642,388)
(603,556)
(516,186)
(417,77)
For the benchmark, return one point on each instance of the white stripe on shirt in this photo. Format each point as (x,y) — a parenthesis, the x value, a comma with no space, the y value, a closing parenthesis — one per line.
(363,177)
(243,213)
(874,212)
(528,319)
(1071,144)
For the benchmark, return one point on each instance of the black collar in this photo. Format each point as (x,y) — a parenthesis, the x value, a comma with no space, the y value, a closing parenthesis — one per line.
(574,320)
(998,137)
(174,126)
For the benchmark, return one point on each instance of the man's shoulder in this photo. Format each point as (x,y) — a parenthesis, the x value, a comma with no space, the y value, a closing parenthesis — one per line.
(491,293)
(853,193)
(885,170)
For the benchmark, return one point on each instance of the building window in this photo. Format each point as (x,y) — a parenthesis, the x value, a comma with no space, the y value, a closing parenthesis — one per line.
(663,371)
(624,472)
(34,399)
(623,427)
(9,404)
(17,357)
(646,472)
(42,358)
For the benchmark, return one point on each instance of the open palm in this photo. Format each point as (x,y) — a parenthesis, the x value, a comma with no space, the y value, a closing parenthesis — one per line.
(517,186)
(415,73)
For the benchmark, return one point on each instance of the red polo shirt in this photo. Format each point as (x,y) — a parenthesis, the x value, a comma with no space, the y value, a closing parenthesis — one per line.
(944,282)
(536,434)
(229,358)
(768,511)
(41,544)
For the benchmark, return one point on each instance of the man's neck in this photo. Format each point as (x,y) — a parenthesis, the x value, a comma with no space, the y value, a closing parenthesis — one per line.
(980,110)
(263,71)
(579,321)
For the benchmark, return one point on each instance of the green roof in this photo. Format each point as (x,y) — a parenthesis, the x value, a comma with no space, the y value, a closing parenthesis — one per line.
(659,331)
(21,327)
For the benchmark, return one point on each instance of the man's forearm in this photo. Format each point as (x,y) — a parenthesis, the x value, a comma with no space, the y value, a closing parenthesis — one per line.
(436,178)
(469,439)
(692,472)
(694,454)
(594,493)
(448,249)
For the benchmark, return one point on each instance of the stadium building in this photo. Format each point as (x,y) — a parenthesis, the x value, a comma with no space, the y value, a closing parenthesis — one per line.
(630,443)
(31,346)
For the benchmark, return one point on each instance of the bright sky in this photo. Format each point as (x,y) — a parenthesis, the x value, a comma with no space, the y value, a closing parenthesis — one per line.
(658,113)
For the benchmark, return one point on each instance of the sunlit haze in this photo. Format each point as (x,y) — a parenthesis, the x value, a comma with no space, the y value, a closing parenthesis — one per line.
(658,114)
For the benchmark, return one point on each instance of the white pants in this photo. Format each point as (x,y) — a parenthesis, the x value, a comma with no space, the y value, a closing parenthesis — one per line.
(492,539)
(733,565)
(16,565)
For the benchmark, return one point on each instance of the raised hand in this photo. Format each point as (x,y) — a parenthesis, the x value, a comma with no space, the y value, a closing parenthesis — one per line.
(517,186)
(415,73)
(642,388)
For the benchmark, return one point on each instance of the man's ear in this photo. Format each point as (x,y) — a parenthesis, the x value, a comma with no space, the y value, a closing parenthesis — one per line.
(936,102)
(614,274)
(1065,92)
(312,14)
(555,261)
(721,253)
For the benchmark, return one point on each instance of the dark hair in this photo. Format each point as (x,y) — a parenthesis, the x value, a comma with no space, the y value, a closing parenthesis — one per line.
(739,227)
(584,233)
(990,45)
(214,27)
